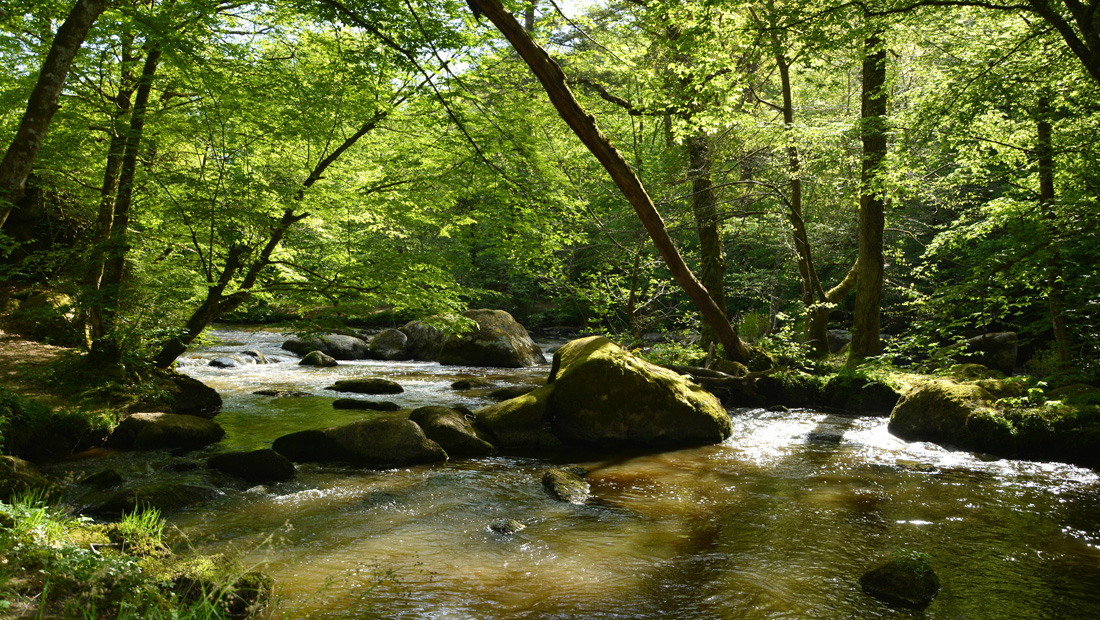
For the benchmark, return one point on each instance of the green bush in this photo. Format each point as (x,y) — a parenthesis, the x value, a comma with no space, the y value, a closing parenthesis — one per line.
(31,430)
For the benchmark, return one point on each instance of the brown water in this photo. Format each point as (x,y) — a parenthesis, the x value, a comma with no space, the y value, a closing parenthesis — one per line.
(778,522)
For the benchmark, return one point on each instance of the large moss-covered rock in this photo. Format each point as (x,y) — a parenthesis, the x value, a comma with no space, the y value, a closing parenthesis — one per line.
(376,443)
(338,346)
(18,476)
(522,423)
(498,340)
(164,431)
(256,466)
(603,395)
(452,430)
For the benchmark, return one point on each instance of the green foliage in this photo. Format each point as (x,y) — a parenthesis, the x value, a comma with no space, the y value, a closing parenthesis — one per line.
(30,429)
(674,353)
(915,562)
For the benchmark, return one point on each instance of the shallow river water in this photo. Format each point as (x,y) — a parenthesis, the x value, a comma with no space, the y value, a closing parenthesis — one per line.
(779,521)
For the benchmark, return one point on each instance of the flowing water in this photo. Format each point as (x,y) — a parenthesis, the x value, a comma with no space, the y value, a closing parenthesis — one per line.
(779,521)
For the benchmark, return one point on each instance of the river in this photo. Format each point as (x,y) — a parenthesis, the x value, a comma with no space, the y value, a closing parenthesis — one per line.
(777,522)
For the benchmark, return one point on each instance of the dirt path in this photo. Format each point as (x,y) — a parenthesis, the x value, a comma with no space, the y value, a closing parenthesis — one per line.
(19,358)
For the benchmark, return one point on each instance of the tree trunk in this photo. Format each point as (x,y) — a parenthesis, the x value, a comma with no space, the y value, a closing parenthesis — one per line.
(106,344)
(584,126)
(712,262)
(1056,294)
(42,103)
(869,275)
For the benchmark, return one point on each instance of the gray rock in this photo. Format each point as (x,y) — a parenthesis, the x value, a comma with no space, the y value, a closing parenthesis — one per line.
(997,351)
(390,345)
(317,358)
(379,443)
(281,393)
(224,362)
(838,339)
(164,431)
(566,485)
(339,346)
(452,430)
(470,383)
(498,340)
(370,385)
(257,466)
(255,356)
(506,527)
(191,396)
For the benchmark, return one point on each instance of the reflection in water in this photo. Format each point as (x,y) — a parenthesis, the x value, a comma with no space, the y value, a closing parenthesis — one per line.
(778,522)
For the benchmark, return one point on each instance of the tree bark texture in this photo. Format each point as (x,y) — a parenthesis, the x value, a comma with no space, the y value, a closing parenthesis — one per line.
(42,103)
(869,275)
(708,225)
(584,126)
(1056,291)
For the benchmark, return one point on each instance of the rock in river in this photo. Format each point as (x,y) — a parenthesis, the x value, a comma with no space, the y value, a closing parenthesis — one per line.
(257,466)
(378,443)
(164,431)
(907,581)
(338,346)
(317,358)
(498,340)
(452,430)
(370,385)
(567,485)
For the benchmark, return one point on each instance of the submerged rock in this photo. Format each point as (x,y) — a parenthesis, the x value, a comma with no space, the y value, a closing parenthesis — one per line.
(603,395)
(379,443)
(498,340)
(567,485)
(164,431)
(257,466)
(370,385)
(907,580)
(163,497)
(339,346)
(369,405)
(316,358)
(507,527)
(452,430)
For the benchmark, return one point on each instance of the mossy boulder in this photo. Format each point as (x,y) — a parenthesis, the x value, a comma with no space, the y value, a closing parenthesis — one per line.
(907,580)
(858,394)
(166,497)
(164,431)
(791,388)
(567,485)
(452,430)
(498,340)
(256,466)
(319,359)
(602,395)
(189,396)
(939,411)
(18,476)
(339,346)
(522,423)
(368,385)
(376,443)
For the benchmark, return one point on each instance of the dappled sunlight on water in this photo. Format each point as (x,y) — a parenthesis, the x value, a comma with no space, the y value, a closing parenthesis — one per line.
(777,522)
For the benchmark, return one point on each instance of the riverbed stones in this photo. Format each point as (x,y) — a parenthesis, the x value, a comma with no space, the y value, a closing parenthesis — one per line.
(498,340)
(907,580)
(164,431)
(339,346)
(566,485)
(18,476)
(317,358)
(452,430)
(602,395)
(389,345)
(257,466)
(368,385)
(378,443)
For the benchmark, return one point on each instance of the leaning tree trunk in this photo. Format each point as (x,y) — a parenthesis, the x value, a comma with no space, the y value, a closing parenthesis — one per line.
(869,274)
(584,126)
(42,103)
(1056,293)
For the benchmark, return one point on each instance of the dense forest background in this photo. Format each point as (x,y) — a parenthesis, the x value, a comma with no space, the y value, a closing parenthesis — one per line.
(371,162)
